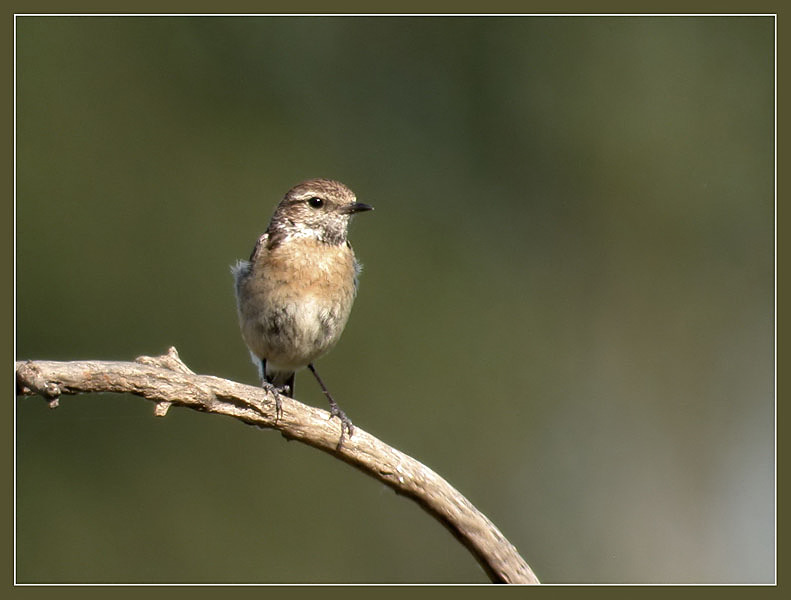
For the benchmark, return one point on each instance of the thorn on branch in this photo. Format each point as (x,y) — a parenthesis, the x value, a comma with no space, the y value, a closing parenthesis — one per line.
(161,408)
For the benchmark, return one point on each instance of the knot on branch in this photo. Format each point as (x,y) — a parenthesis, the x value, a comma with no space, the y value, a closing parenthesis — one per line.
(170,360)
(29,380)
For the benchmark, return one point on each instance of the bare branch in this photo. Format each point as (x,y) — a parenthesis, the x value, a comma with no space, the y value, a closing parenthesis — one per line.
(167,381)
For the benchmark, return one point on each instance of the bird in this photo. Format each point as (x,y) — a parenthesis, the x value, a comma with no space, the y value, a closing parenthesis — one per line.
(295,292)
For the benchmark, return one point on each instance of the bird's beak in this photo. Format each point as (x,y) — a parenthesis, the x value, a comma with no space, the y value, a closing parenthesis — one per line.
(350,209)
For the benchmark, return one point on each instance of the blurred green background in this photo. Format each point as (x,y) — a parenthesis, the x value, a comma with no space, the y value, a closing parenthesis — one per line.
(566,308)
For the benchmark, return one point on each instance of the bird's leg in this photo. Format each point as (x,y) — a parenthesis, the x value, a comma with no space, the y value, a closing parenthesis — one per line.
(335,411)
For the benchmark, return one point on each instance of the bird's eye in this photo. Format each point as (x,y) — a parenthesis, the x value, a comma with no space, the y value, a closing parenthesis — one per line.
(315,202)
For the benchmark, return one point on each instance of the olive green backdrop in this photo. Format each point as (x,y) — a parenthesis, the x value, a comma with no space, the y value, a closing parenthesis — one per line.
(567,306)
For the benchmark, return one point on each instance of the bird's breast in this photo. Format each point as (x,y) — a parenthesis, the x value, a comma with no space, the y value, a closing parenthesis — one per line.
(306,267)
(298,297)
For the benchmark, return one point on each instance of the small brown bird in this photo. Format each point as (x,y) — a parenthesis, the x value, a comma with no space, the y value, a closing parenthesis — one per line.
(295,293)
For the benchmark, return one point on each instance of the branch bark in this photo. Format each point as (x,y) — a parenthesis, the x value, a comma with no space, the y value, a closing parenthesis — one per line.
(167,381)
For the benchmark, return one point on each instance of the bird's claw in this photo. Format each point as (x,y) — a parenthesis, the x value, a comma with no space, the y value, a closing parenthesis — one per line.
(276,391)
(346,424)
(278,408)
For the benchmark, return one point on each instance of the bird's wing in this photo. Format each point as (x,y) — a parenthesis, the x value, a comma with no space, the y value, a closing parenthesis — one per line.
(260,246)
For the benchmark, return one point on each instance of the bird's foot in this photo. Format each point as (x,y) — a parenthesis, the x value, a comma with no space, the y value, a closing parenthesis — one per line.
(346,423)
(335,411)
(276,391)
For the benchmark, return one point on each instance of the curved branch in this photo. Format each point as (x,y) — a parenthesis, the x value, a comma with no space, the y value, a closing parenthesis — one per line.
(167,381)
